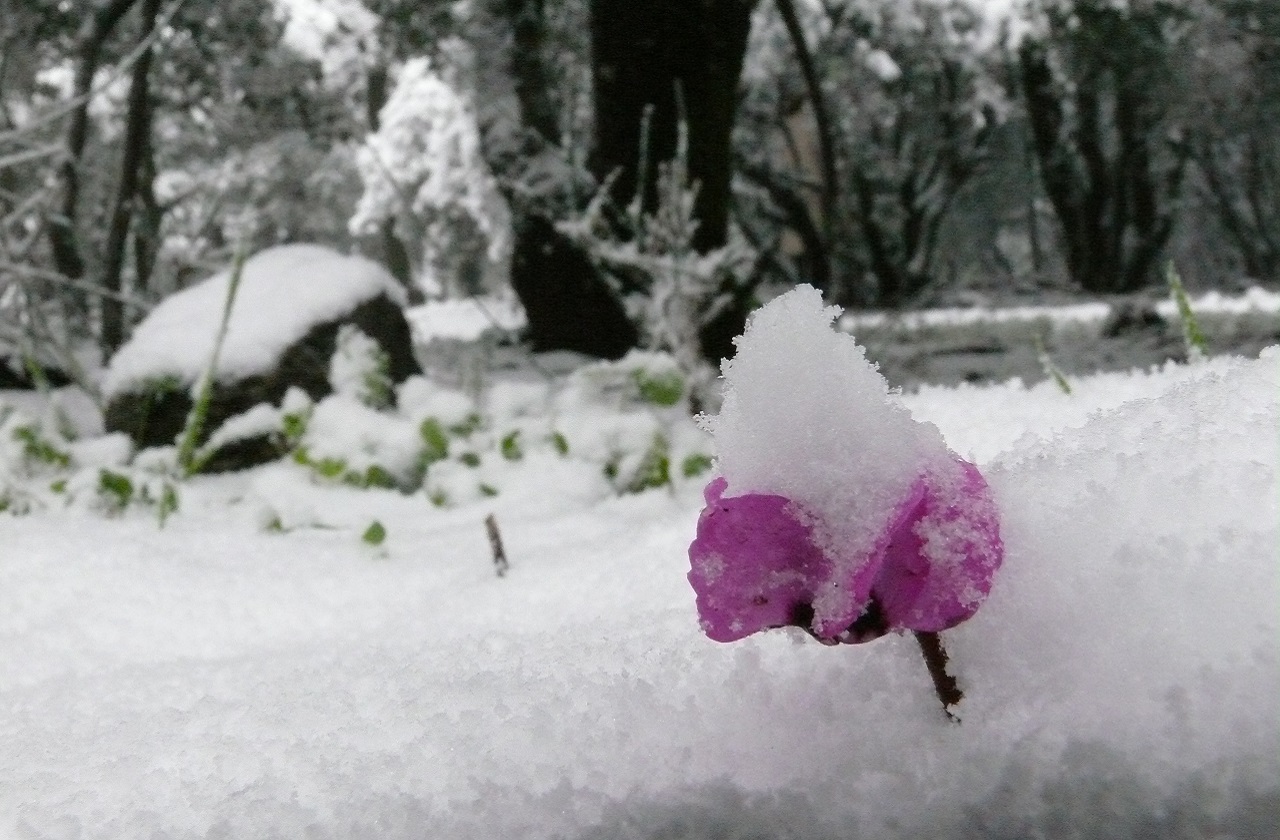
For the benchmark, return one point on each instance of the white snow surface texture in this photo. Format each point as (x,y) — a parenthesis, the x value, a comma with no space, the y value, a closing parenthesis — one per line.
(284,291)
(212,680)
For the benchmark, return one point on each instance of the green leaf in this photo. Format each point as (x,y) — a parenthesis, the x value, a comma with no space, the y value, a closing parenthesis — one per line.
(36,448)
(663,389)
(117,489)
(510,446)
(378,476)
(695,465)
(330,467)
(654,469)
(194,428)
(294,427)
(467,427)
(1197,347)
(168,503)
(1050,369)
(471,459)
(375,534)
(560,443)
(488,490)
(435,441)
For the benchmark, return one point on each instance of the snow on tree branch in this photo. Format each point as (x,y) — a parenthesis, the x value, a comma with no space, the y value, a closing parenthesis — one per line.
(423,169)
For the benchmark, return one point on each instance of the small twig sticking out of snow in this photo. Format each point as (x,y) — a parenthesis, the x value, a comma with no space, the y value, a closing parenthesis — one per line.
(500,563)
(935,658)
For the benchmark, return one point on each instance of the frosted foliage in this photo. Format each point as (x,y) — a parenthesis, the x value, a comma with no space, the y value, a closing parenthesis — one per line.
(806,416)
(424,169)
(358,368)
(283,293)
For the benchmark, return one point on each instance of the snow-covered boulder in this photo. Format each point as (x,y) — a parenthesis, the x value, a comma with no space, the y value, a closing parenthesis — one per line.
(290,304)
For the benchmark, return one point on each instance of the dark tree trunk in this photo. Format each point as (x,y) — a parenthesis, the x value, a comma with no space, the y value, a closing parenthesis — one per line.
(656,55)
(63,239)
(822,121)
(395,256)
(533,83)
(568,304)
(643,53)
(136,140)
(147,221)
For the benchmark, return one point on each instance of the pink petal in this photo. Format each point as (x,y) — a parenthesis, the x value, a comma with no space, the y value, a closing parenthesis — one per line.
(940,564)
(753,563)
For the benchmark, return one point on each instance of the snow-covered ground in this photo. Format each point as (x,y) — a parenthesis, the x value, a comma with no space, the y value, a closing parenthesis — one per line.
(256,669)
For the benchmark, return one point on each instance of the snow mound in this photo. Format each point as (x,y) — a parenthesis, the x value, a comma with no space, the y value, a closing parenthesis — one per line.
(284,291)
(807,417)
(211,680)
(465,319)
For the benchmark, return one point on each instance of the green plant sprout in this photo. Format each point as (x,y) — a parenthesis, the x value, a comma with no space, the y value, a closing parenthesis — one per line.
(560,443)
(695,465)
(294,426)
(662,389)
(510,446)
(168,502)
(375,534)
(188,464)
(655,467)
(115,490)
(36,448)
(467,427)
(379,388)
(36,373)
(1197,347)
(435,442)
(1050,369)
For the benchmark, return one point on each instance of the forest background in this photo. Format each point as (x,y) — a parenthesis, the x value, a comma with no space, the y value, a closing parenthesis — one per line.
(638,173)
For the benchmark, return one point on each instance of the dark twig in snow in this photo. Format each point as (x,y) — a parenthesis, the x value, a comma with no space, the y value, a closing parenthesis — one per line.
(935,657)
(500,563)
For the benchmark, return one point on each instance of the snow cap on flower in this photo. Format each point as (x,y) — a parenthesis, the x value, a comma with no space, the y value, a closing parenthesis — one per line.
(836,510)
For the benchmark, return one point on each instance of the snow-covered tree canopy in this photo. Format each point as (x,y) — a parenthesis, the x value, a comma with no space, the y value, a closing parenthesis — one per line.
(424,169)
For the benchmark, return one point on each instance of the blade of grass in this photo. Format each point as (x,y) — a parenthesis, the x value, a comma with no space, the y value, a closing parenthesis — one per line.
(1197,347)
(188,463)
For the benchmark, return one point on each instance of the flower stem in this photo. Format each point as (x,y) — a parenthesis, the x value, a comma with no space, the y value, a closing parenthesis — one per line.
(935,658)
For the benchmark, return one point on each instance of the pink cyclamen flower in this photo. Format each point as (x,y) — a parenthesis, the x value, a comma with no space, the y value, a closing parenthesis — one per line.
(755,564)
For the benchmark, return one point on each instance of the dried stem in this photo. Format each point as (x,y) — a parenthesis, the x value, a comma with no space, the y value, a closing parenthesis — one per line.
(935,658)
(500,563)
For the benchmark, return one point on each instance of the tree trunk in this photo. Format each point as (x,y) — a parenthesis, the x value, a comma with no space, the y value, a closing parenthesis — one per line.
(645,55)
(395,256)
(659,55)
(136,140)
(63,239)
(568,304)
(822,121)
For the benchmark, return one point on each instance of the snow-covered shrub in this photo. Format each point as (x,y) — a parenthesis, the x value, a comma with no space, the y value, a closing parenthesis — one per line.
(360,368)
(423,169)
(670,289)
(349,442)
(631,417)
